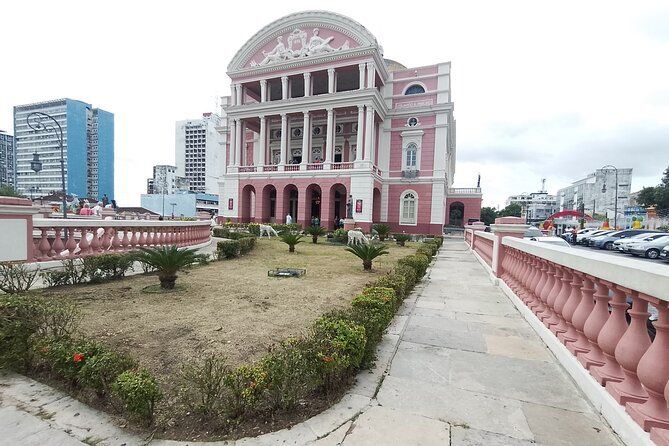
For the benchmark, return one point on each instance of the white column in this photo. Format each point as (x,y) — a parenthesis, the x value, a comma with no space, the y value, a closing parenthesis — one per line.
(306,132)
(369,128)
(240,140)
(262,141)
(284,140)
(361,128)
(371,75)
(263,90)
(233,141)
(284,87)
(240,97)
(331,80)
(329,137)
(361,67)
(307,84)
(233,94)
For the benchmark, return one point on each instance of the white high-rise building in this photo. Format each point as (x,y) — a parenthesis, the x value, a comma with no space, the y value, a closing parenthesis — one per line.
(198,144)
(597,192)
(166,181)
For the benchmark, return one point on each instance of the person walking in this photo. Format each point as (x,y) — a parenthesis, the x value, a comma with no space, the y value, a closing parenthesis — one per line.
(573,235)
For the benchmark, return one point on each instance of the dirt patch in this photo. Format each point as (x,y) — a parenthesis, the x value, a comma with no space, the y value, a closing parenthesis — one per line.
(230,307)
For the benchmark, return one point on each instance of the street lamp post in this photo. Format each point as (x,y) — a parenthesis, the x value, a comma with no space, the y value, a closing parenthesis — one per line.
(36,121)
(173,204)
(615,207)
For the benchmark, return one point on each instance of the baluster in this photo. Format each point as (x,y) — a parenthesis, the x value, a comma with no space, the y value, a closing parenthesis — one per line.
(149,236)
(653,372)
(570,308)
(58,245)
(125,242)
(661,436)
(629,351)
(134,240)
(537,305)
(179,233)
(96,245)
(511,271)
(556,324)
(160,237)
(71,244)
(44,247)
(594,323)
(585,306)
(550,292)
(608,339)
(532,273)
(143,236)
(84,245)
(115,242)
(169,235)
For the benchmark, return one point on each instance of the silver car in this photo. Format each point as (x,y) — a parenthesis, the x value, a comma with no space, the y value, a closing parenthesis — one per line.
(625,243)
(650,249)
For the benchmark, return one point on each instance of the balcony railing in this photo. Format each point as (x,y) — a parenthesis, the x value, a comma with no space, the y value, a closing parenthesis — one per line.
(243,169)
(342,166)
(269,168)
(463,190)
(315,166)
(348,165)
(291,167)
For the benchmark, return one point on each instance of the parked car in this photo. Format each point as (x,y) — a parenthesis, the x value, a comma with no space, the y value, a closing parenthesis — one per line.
(651,249)
(606,241)
(587,237)
(624,244)
(567,235)
(664,254)
(557,241)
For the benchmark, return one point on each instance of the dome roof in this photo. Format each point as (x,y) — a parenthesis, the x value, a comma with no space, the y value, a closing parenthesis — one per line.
(393,65)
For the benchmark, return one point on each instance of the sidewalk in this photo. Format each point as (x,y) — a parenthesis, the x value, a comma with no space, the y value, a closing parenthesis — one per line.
(464,368)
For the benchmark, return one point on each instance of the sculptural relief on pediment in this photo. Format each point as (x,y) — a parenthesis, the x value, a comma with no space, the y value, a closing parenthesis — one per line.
(298,44)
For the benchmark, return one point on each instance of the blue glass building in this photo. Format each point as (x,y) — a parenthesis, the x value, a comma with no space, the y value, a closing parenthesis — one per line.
(88,143)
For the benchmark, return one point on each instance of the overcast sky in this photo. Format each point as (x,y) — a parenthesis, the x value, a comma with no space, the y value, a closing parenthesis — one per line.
(541,89)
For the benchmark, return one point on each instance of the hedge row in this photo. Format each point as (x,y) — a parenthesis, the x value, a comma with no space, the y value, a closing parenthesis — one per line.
(229,249)
(41,335)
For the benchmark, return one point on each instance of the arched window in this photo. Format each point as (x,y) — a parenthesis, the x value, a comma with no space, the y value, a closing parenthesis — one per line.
(408,207)
(414,89)
(410,157)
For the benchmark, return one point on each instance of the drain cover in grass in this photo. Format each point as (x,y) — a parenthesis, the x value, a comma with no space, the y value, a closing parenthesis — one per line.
(286,272)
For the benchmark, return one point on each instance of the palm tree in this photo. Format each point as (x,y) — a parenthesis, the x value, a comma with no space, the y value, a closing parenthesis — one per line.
(382,230)
(291,239)
(367,253)
(315,232)
(167,260)
(401,239)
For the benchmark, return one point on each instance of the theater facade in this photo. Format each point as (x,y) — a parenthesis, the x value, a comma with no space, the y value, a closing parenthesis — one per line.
(320,124)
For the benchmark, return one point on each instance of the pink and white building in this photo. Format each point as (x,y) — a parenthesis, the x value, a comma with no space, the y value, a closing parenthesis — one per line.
(317,115)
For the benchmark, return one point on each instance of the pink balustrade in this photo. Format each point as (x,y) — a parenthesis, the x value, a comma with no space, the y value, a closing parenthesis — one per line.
(468,237)
(315,166)
(55,239)
(583,299)
(245,169)
(269,168)
(342,166)
(483,245)
(291,167)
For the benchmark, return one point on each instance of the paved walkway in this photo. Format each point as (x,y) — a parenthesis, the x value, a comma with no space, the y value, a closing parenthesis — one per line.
(459,366)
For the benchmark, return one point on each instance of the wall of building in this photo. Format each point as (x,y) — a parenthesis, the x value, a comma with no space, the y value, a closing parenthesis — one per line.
(162,204)
(77,148)
(105,153)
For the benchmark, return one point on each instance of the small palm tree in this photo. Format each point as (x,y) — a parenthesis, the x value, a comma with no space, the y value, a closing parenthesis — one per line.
(291,239)
(315,232)
(382,230)
(167,260)
(401,239)
(367,253)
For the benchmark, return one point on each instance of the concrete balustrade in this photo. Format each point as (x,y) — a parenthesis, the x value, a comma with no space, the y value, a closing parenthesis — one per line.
(582,299)
(69,239)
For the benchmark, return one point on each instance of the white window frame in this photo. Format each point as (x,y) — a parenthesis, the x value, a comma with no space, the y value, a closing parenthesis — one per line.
(410,137)
(413,147)
(405,221)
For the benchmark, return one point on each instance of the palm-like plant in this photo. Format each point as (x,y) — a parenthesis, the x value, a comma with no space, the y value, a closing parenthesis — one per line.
(315,232)
(291,239)
(401,239)
(167,260)
(367,253)
(382,230)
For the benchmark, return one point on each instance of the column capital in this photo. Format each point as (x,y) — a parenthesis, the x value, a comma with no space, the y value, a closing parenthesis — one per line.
(362,65)
(284,78)
(261,116)
(329,110)
(307,74)
(305,113)
(371,64)
(361,108)
(263,81)
(284,115)
(331,70)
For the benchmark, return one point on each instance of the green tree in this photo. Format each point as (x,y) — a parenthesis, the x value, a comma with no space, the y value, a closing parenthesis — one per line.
(8,191)
(512,210)
(646,196)
(488,215)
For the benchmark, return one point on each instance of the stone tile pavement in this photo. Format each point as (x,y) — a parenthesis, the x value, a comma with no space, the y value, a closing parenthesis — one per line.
(459,366)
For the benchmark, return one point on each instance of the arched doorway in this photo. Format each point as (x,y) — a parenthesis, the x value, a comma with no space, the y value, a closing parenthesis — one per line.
(313,203)
(290,198)
(247,208)
(337,204)
(376,208)
(456,212)
(269,204)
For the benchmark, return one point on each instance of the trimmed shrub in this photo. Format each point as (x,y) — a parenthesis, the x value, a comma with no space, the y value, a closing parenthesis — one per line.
(228,249)
(419,262)
(340,236)
(107,266)
(101,370)
(66,357)
(339,347)
(73,273)
(139,393)
(439,239)
(245,385)
(246,244)
(409,275)
(204,388)
(373,309)
(16,277)
(395,281)
(291,374)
